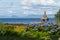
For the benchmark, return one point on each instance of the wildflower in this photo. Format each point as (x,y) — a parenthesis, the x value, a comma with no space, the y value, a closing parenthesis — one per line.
(46,24)
(30,25)
(34,28)
(58,28)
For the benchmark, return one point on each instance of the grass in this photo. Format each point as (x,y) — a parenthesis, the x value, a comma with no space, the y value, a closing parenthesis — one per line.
(19,28)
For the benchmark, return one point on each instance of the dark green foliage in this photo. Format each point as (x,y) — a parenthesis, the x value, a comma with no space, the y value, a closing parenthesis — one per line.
(57,17)
(31,33)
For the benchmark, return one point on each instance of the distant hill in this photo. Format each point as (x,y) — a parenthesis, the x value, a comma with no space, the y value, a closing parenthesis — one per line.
(40,16)
(28,16)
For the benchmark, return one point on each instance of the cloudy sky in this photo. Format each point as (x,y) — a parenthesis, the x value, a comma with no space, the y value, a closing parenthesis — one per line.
(28,8)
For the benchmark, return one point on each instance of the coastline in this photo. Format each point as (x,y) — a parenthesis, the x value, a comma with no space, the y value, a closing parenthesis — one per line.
(16,24)
(22,25)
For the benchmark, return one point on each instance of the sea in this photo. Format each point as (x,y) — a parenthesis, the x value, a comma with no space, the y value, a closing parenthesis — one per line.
(23,20)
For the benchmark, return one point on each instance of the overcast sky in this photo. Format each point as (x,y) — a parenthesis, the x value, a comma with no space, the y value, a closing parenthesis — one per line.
(27,8)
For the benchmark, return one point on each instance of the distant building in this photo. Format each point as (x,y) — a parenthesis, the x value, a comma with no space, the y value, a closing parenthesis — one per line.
(45,18)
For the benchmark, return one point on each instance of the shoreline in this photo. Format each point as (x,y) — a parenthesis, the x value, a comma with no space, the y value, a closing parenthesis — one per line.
(16,24)
(23,24)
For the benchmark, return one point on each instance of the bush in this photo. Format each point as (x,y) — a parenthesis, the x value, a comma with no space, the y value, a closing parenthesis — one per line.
(30,33)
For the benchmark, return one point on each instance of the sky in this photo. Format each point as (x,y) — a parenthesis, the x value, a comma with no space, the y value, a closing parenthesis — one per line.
(28,8)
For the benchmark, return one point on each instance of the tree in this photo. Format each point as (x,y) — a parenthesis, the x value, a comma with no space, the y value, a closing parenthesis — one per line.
(57,17)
